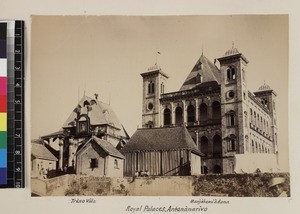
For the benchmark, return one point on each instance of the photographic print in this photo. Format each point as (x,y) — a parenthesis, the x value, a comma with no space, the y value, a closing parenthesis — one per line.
(160,106)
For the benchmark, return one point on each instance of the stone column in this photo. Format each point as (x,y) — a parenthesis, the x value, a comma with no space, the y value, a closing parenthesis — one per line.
(71,149)
(184,112)
(197,111)
(61,154)
(197,138)
(209,108)
(172,114)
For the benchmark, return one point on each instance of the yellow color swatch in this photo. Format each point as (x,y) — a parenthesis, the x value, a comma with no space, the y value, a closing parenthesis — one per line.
(3,121)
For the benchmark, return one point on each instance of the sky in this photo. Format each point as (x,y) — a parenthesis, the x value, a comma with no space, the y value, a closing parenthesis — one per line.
(73,55)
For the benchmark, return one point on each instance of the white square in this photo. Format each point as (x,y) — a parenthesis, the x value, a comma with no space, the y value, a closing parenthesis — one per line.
(3,67)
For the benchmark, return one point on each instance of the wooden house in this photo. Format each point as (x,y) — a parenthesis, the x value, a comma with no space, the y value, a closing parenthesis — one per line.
(161,152)
(97,157)
(43,161)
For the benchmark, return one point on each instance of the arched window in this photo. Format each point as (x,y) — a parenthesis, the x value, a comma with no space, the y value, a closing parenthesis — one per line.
(178,115)
(251,115)
(116,164)
(151,88)
(255,118)
(231,74)
(83,124)
(167,117)
(231,118)
(252,145)
(162,88)
(190,114)
(203,112)
(256,149)
(246,118)
(204,145)
(231,145)
(247,143)
(216,108)
(150,124)
(217,146)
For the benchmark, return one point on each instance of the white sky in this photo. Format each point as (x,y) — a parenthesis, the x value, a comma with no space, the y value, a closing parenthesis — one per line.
(106,55)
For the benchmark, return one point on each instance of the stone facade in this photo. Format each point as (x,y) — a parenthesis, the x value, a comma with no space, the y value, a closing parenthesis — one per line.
(223,117)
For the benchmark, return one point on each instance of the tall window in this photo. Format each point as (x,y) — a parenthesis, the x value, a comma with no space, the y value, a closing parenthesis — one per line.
(231,118)
(167,117)
(204,145)
(191,114)
(83,125)
(231,74)
(162,88)
(203,112)
(246,118)
(252,145)
(217,146)
(151,88)
(216,107)
(116,164)
(231,146)
(178,116)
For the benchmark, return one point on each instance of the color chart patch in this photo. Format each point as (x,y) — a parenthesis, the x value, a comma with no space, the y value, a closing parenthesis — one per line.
(11,104)
(3,103)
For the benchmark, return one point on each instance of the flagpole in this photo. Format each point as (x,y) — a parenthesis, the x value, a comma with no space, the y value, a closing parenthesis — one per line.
(157,52)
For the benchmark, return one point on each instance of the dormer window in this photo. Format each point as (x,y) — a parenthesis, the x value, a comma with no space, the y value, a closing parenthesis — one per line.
(83,125)
(199,78)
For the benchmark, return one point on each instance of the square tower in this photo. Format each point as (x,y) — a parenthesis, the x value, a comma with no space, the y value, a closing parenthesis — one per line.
(153,86)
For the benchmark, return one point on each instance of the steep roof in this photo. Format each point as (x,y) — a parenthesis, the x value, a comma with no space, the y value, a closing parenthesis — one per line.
(171,138)
(99,113)
(38,150)
(204,68)
(106,146)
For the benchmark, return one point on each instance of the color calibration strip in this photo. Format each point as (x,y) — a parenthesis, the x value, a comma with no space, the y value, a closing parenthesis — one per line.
(3,103)
(14,88)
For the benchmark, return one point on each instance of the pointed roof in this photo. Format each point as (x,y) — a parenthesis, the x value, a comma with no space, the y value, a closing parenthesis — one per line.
(169,138)
(204,70)
(38,150)
(106,147)
(99,113)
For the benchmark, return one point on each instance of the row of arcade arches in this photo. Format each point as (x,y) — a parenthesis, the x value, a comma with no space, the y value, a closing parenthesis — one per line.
(191,113)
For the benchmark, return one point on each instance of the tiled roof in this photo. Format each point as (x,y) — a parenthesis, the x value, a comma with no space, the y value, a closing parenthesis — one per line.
(171,138)
(106,146)
(38,150)
(99,113)
(54,135)
(204,68)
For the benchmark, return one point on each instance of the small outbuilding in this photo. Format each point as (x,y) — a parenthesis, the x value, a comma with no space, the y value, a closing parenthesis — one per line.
(43,162)
(162,152)
(99,158)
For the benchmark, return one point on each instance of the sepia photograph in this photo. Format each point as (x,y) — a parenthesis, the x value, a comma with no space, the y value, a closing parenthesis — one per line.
(160,106)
